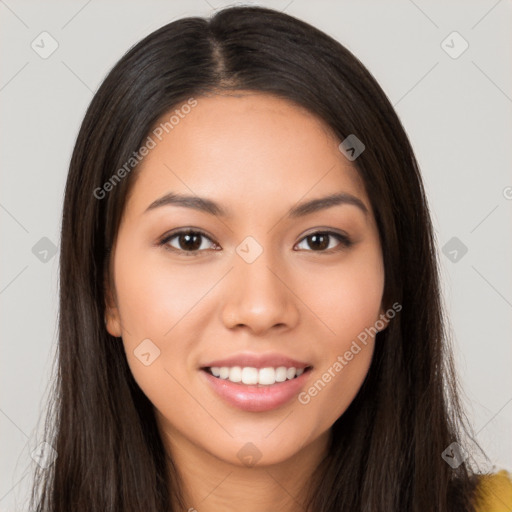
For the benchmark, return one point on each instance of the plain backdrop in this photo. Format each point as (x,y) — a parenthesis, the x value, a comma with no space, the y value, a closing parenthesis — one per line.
(454,102)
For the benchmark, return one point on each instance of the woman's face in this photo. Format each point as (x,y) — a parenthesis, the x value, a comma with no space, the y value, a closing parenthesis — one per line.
(258,291)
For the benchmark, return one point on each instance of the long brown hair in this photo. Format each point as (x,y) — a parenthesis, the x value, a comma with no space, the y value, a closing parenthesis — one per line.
(386,448)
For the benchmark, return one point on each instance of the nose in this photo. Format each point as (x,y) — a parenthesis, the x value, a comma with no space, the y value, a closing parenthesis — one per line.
(259,297)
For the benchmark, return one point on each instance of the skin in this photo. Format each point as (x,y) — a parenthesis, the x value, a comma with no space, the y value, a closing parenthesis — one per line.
(257,156)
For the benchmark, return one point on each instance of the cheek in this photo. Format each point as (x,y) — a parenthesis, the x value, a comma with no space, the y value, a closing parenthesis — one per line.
(348,305)
(153,305)
(336,384)
(163,303)
(346,298)
(154,295)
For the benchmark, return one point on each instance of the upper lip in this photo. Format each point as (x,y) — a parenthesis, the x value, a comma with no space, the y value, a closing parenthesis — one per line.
(273,360)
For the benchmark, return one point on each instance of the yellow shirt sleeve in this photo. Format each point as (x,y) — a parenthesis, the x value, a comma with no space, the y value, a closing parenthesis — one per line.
(494,493)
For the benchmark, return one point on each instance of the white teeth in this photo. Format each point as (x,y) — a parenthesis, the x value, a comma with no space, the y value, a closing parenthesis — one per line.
(251,376)
(267,376)
(281,374)
(235,374)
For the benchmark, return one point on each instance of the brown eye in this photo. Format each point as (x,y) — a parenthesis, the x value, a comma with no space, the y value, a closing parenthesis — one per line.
(187,241)
(322,241)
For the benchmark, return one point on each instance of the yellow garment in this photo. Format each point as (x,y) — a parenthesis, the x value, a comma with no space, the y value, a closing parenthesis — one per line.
(495,493)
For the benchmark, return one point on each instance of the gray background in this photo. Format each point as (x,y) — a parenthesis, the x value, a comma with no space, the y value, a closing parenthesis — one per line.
(456,111)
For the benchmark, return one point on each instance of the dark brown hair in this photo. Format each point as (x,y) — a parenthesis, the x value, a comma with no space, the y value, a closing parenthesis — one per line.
(386,448)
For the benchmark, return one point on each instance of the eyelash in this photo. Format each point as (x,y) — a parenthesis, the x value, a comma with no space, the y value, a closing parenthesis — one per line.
(345,241)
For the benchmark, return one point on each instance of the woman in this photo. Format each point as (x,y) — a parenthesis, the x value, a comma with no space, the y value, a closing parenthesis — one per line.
(250,306)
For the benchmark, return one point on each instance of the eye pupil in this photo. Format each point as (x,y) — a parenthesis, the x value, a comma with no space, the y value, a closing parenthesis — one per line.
(318,241)
(185,241)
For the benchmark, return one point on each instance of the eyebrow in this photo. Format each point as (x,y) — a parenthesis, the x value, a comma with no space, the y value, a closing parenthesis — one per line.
(300,210)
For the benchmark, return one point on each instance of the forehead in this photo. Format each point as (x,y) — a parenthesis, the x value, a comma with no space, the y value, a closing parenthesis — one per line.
(243,148)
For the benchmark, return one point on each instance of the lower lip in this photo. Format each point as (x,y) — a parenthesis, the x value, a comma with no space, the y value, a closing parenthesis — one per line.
(256,398)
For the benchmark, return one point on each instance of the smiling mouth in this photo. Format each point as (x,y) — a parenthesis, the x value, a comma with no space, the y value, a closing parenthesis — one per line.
(259,377)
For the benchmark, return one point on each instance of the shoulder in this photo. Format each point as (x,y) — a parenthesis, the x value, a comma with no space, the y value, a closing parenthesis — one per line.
(494,492)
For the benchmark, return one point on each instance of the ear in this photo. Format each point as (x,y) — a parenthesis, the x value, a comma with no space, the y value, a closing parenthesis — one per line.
(112,317)
(383,319)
